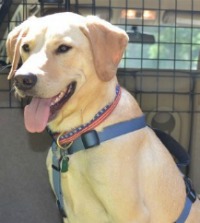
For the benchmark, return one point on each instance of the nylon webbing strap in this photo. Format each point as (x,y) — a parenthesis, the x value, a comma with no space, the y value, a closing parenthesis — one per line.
(186,211)
(56,180)
(181,156)
(88,140)
(93,138)
(190,199)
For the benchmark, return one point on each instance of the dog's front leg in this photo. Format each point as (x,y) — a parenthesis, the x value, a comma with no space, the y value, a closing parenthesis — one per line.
(65,220)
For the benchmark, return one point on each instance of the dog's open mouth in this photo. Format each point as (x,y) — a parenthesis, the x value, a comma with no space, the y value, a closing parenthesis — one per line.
(59,100)
(42,110)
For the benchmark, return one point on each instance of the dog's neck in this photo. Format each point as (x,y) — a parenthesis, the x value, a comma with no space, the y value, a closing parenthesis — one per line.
(83,106)
(69,136)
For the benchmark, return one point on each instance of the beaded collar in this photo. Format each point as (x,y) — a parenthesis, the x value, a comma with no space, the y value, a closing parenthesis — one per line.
(67,137)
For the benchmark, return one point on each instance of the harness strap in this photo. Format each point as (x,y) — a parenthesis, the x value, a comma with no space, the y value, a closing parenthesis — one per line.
(56,180)
(186,211)
(182,160)
(85,141)
(190,199)
(177,151)
(93,138)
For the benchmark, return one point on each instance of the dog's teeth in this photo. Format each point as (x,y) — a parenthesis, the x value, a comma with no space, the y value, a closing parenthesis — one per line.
(61,95)
(52,103)
(69,89)
(58,98)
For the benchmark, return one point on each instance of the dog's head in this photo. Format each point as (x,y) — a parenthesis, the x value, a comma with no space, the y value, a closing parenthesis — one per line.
(65,59)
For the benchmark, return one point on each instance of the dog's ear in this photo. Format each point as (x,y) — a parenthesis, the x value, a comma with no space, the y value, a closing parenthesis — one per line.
(13,44)
(108,43)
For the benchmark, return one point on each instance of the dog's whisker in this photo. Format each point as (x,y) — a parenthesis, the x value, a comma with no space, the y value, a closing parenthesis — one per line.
(12,89)
(5,67)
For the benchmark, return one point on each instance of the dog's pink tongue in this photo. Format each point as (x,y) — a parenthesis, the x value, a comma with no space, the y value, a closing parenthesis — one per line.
(36,114)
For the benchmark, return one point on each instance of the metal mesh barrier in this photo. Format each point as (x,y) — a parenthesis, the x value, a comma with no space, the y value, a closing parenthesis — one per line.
(160,66)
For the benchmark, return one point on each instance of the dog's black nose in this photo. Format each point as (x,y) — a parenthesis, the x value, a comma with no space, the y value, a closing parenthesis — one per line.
(25,82)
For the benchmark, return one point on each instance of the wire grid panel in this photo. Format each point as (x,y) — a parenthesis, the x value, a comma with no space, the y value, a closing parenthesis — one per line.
(162,41)
(161,64)
(15,14)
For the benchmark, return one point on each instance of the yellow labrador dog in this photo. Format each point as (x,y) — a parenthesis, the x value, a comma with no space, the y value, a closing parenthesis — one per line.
(105,165)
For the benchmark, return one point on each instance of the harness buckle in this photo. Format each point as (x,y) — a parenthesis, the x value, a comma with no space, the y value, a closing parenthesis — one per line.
(62,211)
(90,139)
(189,189)
(55,168)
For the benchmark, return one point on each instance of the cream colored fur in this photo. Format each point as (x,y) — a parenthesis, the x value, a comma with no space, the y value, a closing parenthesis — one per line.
(128,179)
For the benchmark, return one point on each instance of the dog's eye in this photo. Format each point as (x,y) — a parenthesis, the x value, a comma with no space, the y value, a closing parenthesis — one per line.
(26,48)
(63,49)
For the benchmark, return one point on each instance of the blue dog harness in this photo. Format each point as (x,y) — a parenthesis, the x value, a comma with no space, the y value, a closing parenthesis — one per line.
(92,138)
(182,160)
(85,141)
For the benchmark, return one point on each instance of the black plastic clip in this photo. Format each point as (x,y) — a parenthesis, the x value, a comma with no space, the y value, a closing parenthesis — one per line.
(61,210)
(90,139)
(190,190)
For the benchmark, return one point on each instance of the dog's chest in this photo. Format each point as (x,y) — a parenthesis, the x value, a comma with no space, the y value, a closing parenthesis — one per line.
(83,188)
(82,203)
(93,190)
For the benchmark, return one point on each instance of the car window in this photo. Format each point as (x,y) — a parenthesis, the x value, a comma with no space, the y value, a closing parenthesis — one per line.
(172,48)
